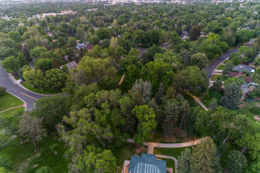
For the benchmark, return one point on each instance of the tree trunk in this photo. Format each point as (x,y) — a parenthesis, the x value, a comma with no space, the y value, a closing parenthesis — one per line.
(181,125)
(36,150)
(21,138)
(243,150)
(226,139)
(41,89)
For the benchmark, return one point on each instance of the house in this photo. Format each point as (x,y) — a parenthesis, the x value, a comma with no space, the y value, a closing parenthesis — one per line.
(71,65)
(248,79)
(242,67)
(79,46)
(89,47)
(147,163)
(184,33)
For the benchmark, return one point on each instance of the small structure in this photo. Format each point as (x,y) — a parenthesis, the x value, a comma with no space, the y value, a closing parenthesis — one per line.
(184,33)
(245,89)
(147,163)
(89,47)
(71,65)
(242,67)
(79,46)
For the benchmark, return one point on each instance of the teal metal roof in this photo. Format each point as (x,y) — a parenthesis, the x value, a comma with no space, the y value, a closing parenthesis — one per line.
(146,163)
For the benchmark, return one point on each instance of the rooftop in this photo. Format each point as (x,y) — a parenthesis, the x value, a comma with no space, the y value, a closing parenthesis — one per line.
(242,67)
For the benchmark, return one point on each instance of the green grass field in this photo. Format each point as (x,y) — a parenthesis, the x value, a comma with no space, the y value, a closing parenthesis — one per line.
(12,111)
(226,61)
(220,67)
(220,77)
(39,91)
(246,109)
(24,157)
(8,101)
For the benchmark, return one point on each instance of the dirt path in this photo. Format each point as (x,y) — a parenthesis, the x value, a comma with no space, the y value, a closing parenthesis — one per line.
(11,108)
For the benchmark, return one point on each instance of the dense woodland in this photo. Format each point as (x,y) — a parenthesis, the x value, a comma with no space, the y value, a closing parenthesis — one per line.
(95,112)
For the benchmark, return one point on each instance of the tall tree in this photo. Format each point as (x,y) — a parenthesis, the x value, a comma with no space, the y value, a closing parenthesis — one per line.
(228,67)
(31,127)
(147,123)
(202,153)
(184,161)
(145,89)
(199,60)
(236,162)
(231,97)
(26,53)
(171,113)
(96,160)
(160,94)
(177,83)
(55,63)
(184,112)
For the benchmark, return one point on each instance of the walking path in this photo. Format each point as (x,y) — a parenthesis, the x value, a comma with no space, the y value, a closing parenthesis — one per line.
(198,100)
(12,108)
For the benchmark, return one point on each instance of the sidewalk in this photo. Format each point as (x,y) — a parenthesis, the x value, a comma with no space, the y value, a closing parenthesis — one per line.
(198,100)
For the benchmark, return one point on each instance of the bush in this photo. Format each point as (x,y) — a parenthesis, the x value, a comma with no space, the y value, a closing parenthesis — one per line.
(44,169)
(255,110)
(5,161)
(2,90)
(254,94)
(217,94)
(52,147)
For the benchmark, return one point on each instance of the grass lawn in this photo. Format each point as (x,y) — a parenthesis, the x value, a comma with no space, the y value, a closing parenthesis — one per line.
(24,157)
(220,67)
(206,100)
(39,91)
(226,61)
(8,101)
(220,77)
(17,78)
(174,152)
(246,109)
(169,163)
(12,111)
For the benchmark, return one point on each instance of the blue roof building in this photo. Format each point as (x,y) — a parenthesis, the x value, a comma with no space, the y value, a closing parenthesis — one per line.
(147,163)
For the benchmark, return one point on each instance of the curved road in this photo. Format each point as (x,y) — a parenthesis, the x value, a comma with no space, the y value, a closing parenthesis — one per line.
(13,88)
(214,64)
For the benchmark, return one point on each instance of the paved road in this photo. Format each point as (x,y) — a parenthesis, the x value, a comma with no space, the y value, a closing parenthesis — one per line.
(15,89)
(214,64)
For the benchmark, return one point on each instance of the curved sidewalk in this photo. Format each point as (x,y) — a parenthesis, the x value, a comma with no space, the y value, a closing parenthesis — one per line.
(12,108)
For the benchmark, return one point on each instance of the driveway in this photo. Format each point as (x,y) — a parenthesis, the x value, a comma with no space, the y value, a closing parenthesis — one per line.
(16,90)
(214,64)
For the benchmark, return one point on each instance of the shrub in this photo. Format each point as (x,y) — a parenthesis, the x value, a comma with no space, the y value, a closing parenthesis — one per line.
(255,110)
(52,147)
(5,161)
(2,90)
(44,169)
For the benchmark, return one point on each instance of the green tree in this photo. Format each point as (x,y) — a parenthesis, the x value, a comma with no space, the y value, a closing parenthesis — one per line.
(217,85)
(21,60)
(194,33)
(37,51)
(55,63)
(31,127)
(184,161)
(147,123)
(213,104)
(231,97)
(94,40)
(3,170)
(103,33)
(10,63)
(199,60)
(43,64)
(144,88)
(160,94)
(171,113)
(253,168)
(202,153)
(15,36)
(227,68)
(177,83)
(55,79)
(72,42)
(96,160)
(26,53)
(236,162)
(184,113)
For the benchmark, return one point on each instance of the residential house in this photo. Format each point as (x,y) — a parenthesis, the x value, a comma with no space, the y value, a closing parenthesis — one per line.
(79,46)
(147,163)
(71,65)
(184,33)
(89,47)
(248,79)
(242,67)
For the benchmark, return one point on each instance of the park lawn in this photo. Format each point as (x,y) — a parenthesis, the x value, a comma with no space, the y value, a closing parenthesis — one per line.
(11,112)
(246,109)
(24,157)
(39,91)
(8,101)
(220,67)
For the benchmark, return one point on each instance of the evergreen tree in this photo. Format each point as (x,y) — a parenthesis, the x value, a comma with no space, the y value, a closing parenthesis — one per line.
(81,53)
(184,161)
(184,112)
(55,63)
(201,160)
(177,83)
(170,93)
(216,165)
(22,60)
(160,94)
(194,33)
(71,55)
(213,104)
(217,84)
(26,53)
(144,87)
(231,97)
(171,113)
(152,104)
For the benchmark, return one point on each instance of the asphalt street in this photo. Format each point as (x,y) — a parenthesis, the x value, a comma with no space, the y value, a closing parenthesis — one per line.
(16,90)
(214,64)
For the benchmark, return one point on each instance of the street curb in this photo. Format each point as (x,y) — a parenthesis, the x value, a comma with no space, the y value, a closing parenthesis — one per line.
(19,98)
(12,78)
